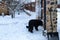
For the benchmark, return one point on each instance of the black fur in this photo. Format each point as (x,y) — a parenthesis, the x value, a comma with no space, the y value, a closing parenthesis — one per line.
(34,23)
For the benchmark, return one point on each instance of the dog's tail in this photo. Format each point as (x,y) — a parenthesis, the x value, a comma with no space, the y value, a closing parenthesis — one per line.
(27,26)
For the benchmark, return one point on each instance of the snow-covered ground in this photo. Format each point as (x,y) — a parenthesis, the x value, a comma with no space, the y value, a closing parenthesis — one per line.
(58,24)
(15,29)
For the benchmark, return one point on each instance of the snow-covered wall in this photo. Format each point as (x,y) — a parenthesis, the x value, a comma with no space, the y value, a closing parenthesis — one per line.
(58,1)
(26,1)
(0,0)
(38,8)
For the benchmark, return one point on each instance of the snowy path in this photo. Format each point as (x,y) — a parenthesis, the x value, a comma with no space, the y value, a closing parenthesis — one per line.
(15,29)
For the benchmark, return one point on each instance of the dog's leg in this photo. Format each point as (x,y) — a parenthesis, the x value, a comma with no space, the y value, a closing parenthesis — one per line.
(30,29)
(36,28)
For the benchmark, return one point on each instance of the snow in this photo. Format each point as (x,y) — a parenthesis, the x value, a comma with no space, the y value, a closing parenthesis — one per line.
(58,24)
(29,1)
(32,0)
(15,29)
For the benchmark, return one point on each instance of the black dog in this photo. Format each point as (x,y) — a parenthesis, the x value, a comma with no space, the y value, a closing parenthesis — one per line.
(34,23)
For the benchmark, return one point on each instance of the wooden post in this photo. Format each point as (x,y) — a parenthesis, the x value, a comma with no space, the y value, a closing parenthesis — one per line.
(41,9)
(51,16)
(44,14)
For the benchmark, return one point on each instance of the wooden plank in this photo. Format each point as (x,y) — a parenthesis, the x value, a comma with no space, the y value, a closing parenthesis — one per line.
(27,13)
(51,16)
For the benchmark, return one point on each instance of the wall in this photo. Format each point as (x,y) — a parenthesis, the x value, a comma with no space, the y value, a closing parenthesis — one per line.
(58,1)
